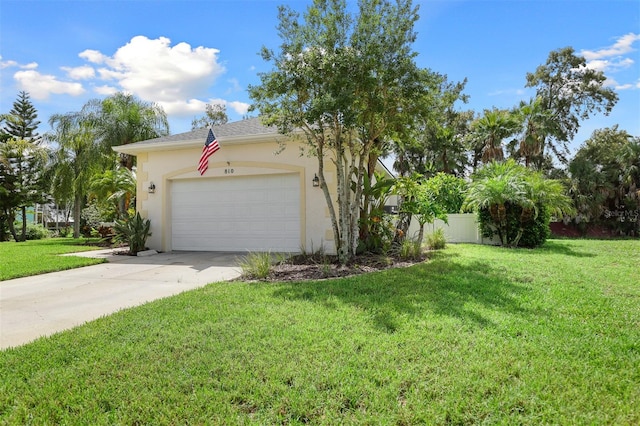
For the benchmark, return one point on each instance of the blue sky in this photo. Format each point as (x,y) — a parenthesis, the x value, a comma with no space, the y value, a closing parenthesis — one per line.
(184,54)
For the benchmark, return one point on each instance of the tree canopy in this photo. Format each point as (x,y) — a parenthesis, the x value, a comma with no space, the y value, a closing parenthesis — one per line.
(349,82)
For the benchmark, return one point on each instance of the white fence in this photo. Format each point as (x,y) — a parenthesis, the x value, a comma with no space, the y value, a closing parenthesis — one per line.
(462,228)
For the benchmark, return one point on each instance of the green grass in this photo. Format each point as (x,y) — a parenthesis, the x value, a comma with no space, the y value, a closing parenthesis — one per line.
(477,334)
(39,256)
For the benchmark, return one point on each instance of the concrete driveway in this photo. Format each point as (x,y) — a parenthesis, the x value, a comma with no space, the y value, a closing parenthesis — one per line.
(44,304)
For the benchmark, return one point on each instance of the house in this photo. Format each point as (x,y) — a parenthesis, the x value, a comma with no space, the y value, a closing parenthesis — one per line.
(258,193)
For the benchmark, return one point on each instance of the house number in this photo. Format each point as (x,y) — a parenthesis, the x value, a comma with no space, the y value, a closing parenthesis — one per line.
(228,171)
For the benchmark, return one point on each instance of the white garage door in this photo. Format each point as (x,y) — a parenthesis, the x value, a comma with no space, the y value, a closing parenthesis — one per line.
(256,213)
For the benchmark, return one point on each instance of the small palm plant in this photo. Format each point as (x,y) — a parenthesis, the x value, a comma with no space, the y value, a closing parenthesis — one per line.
(133,231)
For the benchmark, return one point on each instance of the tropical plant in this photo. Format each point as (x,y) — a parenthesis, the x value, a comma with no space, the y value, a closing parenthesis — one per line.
(376,230)
(349,83)
(134,232)
(509,198)
(537,124)
(114,190)
(447,190)
(489,132)
(605,178)
(122,119)
(436,240)
(74,162)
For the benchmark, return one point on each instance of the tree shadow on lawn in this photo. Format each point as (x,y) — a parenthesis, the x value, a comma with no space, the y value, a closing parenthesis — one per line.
(441,285)
(559,248)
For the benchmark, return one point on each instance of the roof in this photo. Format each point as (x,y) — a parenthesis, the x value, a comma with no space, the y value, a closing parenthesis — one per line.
(249,131)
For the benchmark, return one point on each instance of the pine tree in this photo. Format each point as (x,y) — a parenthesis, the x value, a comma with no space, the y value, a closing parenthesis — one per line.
(21,123)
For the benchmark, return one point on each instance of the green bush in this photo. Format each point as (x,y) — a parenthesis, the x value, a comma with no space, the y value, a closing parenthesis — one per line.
(410,249)
(133,231)
(436,240)
(256,265)
(535,230)
(37,232)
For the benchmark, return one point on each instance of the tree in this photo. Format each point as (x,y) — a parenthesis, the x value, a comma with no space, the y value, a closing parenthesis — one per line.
(349,84)
(122,119)
(515,203)
(22,166)
(447,190)
(571,92)
(75,161)
(536,125)
(437,141)
(215,115)
(489,131)
(114,189)
(605,178)
(21,122)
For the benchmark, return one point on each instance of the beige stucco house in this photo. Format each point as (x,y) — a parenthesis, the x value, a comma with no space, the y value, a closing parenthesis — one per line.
(255,196)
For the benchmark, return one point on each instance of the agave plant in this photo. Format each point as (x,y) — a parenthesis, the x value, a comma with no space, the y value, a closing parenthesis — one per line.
(134,232)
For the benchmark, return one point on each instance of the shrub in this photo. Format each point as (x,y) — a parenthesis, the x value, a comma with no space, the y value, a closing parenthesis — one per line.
(256,265)
(436,240)
(410,249)
(37,232)
(134,232)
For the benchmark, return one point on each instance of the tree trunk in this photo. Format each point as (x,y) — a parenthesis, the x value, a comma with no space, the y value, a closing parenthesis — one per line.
(11,218)
(23,230)
(77,211)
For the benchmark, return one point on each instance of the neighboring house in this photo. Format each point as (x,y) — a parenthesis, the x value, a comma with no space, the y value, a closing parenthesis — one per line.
(255,195)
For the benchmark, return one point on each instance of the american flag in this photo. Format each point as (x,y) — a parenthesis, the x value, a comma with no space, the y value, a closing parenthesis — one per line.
(210,146)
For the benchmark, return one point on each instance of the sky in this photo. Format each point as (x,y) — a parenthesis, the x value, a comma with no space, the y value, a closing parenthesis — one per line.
(185,54)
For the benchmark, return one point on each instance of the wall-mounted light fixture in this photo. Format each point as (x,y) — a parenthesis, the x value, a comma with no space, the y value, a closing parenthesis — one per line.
(316,181)
(152,188)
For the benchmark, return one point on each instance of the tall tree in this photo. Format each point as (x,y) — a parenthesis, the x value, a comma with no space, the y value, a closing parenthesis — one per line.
(77,158)
(537,123)
(437,143)
(122,119)
(22,165)
(489,132)
(215,115)
(571,92)
(605,175)
(349,83)
(21,122)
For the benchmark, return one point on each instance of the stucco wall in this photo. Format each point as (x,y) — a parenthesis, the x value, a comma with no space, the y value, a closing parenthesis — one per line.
(162,167)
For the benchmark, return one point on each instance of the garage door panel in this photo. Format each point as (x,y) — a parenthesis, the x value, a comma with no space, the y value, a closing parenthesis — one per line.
(236,213)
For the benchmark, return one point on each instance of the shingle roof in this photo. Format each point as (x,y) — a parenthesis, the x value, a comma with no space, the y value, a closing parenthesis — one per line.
(248,127)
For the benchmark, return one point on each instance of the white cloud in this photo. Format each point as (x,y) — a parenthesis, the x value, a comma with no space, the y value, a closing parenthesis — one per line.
(105,90)
(93,56)
(155,71)
(10,63)
(239,107)
(41,86)
(623,44)
(610,65)
(7,64)
(80,73)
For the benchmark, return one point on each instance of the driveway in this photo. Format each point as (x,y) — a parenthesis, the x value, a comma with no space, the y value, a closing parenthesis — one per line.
(44,304)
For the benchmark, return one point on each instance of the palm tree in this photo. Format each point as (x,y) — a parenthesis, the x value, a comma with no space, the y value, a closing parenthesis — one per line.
(490,130)
(537,123)
(514,197)
(116,187)
(77,157)
(123,119)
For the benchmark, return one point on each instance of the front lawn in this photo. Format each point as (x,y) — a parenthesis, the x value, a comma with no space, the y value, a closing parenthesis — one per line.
(40,256)
(477,334)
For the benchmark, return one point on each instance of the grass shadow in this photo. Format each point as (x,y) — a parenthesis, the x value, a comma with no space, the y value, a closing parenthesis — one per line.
(442,286)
